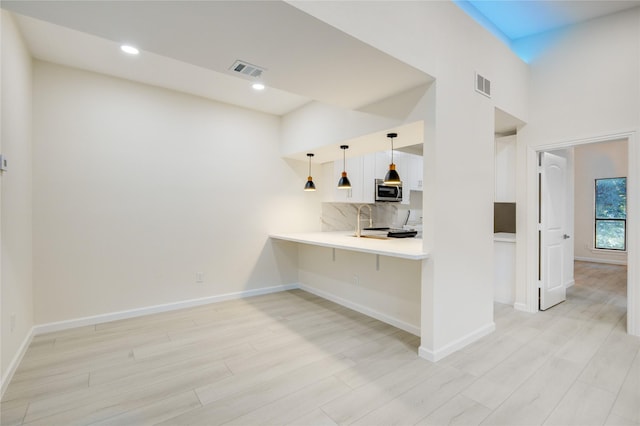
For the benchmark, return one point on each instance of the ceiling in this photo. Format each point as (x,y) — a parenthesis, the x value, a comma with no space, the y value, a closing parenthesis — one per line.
(191,45)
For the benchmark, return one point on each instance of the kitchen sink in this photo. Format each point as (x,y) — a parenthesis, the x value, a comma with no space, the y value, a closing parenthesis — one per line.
(388,233)
(375,237)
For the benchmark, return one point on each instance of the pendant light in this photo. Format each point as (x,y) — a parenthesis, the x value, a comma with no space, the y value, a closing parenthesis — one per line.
(344,183)
(392,177)
(309,186)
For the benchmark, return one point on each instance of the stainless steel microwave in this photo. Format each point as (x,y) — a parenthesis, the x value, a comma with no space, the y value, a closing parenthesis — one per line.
(388,192)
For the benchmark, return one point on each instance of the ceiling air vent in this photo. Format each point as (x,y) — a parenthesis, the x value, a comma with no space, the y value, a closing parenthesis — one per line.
(483,85)
(245,68)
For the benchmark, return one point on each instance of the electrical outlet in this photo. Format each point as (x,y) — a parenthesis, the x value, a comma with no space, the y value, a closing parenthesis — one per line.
(12,322)
(199,277)
(356,280)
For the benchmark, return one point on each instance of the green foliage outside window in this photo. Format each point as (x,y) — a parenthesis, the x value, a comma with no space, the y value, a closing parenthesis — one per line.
(611,213)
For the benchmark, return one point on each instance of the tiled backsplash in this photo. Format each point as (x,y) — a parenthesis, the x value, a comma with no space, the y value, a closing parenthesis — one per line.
(342,216)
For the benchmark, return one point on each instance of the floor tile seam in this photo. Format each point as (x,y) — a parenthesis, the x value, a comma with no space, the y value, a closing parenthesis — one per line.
(373,383)
(288,394)
(328,415)
(604,339)
(578,375)
(179,346)
(21,380)
(50,380)
(165,365)
(24,415)
(265,383)
(518,387)
(102,349)
(316,406)
(115,398)
(460,393)
(626,376)
(36,398)
(303,351)
(500,361)
(105,420)
(575,336)
(355,363)
(601,388)
(547,357)
(60,364)
(112,393)
(412,388)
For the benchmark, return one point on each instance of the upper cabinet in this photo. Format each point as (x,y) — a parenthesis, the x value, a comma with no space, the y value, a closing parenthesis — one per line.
(364,170)
(360,171)
(505,161)
(415,167)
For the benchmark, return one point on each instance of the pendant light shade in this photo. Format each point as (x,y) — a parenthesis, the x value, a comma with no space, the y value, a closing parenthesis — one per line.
(392,177)
(344,183)
(309,186)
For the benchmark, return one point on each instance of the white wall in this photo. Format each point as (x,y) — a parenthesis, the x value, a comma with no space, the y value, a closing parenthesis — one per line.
(137,188)
(595,161)
(316,124)
(390,293)
(584,87)
(428,35)
(581,86)
(16,209)
(442,41)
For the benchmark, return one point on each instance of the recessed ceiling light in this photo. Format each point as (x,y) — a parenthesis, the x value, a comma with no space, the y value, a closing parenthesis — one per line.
(258,86)
(129,49)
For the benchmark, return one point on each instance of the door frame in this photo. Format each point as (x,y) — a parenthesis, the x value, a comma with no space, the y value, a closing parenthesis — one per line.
(529,270)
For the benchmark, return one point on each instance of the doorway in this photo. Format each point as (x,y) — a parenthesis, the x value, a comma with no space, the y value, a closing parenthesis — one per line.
(572,229)
(536,256)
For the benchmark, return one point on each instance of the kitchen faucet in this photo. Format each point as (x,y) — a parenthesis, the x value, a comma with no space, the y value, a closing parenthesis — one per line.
(358,230)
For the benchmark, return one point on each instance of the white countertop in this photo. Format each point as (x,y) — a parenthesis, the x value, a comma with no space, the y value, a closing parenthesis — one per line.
(406,248)
(504,237)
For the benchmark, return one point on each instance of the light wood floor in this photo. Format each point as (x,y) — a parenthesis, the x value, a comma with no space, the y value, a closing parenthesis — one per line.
(293,358)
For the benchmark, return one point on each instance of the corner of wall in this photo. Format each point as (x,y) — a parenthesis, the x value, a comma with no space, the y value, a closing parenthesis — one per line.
(16,258)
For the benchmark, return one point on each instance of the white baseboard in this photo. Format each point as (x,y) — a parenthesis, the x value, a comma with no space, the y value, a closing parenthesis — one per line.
(521,307)
(599,260)
(434,355)
(569,284)
(402,325)
(15,362)
(132,313)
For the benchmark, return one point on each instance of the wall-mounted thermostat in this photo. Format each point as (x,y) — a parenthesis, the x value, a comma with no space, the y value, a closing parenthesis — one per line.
(3,163)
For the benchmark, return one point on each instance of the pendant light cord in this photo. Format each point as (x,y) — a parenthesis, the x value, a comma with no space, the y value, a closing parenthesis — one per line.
(391,150)
(344,160)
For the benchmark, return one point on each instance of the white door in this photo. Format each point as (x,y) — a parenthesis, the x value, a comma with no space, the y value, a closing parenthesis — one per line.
(553,236)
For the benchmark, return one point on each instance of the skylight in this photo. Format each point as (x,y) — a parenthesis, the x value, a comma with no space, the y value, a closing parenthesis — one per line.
(513,22)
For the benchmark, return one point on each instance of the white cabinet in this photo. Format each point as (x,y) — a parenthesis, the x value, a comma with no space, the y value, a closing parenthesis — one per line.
(409,167)
(414,173)
(368,178)
(504,268)
(360,171)
(382,161)
(505,158)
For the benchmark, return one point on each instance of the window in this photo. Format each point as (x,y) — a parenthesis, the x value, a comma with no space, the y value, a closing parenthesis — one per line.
(611,213)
